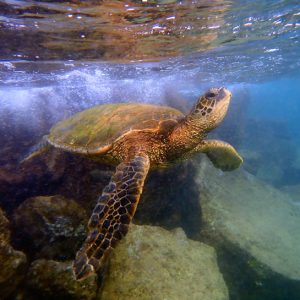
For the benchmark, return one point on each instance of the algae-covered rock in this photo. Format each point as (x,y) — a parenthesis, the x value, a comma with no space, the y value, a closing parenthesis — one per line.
(50,227)
(48,279)
(153,263)
(252,215)
(13,266)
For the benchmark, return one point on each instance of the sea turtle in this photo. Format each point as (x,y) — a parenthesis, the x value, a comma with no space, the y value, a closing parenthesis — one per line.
(136,137)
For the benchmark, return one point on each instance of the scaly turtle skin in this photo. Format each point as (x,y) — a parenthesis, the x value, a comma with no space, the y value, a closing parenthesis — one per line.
(136,137)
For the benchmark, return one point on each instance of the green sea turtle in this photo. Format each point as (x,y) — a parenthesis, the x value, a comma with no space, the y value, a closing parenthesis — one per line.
(137,137)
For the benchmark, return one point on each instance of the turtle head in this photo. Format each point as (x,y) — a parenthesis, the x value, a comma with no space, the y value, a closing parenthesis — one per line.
(210,108)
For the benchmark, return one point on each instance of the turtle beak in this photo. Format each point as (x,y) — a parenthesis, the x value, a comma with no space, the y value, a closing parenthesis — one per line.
(223,93)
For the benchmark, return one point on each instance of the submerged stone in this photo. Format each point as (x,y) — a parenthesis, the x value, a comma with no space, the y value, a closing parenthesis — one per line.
(13,269)
(253,216)
(49,279)
(4,228)
(162,201)
(153,263)
(13,263)
(50,226)
(274,165)
(293,191)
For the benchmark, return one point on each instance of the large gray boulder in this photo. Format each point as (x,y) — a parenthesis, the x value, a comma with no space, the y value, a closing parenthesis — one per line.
(252,215)
(153,263)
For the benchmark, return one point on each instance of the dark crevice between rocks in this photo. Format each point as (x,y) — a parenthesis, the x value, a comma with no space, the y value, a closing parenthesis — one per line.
(170,200)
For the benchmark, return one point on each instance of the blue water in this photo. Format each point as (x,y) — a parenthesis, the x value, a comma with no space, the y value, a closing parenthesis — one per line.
(278,101)
(256,55)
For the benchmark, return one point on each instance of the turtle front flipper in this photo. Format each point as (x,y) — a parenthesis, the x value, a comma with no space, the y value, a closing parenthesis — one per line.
(111,216)
(221,154)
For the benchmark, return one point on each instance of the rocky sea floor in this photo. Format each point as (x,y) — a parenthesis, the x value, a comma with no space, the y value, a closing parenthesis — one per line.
(203,234)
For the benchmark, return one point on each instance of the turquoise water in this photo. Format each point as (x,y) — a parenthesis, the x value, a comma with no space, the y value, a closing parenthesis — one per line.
(58,58)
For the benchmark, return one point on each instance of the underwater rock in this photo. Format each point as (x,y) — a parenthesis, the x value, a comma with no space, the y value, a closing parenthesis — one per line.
(9,181)
(48,279)
(84,179)
(32,177)
(50,163)
(270,164)
(13,266)
(4,228)
(67,174)
(293,192)
(153,263)
(170,199)
(160,204)
(13,263)
(50,226)
(240,210)
(270,172)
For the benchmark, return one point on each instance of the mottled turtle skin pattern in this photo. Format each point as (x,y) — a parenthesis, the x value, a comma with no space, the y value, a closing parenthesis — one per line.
(137,137)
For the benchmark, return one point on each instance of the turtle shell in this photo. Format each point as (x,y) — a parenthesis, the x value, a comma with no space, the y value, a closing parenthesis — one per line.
(95,129)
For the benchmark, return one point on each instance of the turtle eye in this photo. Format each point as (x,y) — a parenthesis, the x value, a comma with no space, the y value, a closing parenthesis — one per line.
(210,95)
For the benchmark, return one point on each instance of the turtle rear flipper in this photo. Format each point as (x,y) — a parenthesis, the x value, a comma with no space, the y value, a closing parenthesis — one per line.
(221,154)
(111,216)
(37,150)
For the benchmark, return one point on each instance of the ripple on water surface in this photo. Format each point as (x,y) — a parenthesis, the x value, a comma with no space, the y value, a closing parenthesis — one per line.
(140,30)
